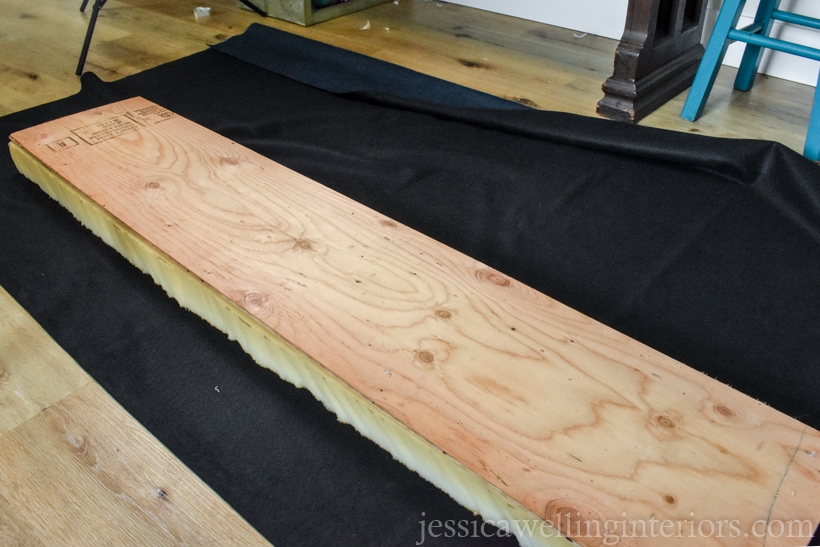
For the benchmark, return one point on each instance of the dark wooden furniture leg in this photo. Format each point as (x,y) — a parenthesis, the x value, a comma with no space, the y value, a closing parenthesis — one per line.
(656,59)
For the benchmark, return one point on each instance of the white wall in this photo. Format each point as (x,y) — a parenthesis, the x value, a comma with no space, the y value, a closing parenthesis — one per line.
(607,18)
(599,17)
(781,65)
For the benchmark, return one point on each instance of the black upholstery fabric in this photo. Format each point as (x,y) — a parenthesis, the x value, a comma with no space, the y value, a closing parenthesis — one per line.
(705,249)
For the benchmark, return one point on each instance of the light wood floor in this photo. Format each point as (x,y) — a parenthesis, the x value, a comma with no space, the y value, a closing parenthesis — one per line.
(552,68)
(43,421)
(77,469)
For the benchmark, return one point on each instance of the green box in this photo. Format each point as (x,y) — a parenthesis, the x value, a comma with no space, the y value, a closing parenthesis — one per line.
(302,12)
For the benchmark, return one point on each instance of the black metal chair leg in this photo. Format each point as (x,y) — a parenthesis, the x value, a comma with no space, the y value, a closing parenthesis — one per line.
(95,11)
(248,3)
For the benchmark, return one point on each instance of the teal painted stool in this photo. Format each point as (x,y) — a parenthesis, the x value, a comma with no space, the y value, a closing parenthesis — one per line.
(756,37)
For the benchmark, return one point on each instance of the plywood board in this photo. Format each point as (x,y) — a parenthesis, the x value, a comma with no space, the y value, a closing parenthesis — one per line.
(520,407)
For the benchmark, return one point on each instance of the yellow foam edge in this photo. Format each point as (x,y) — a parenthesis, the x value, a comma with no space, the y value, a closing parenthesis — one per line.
(272,352)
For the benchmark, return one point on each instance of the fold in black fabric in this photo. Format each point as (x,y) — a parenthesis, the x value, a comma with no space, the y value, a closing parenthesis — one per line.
(705,249)
(340,71)
(344,72)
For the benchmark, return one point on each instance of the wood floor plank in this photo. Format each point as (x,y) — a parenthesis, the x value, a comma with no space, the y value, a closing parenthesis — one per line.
(76,469)
(28,385)
(83,472)
(558,413)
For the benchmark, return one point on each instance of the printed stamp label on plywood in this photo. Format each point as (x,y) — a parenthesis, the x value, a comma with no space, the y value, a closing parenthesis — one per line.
(62,144)
(116,126)
(109,129)
(150,115)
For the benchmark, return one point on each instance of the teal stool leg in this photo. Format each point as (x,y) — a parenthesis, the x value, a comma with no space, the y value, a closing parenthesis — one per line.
(812,149)
(712,58)
(752,54)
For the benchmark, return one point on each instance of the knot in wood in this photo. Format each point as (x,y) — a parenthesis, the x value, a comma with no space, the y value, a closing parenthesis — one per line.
(665,422)
(492,276)
(256,301)
(425,356)
(575,519)
(725,411)
(303,244)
